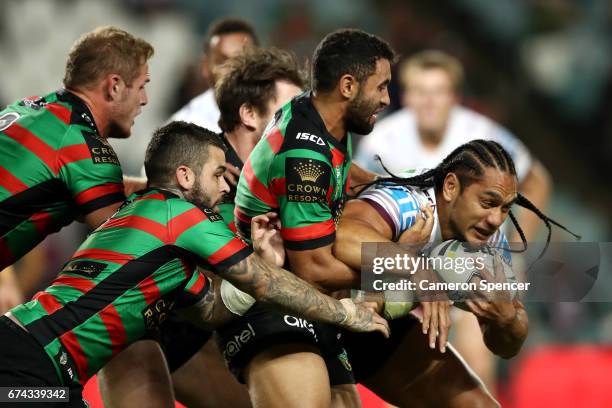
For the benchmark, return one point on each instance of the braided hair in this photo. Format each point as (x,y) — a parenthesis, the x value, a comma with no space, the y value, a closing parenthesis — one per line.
(469,162)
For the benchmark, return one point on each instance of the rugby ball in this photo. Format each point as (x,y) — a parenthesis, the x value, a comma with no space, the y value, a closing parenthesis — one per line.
(458,265)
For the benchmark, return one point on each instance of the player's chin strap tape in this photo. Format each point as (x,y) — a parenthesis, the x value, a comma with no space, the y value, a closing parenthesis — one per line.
(234,299)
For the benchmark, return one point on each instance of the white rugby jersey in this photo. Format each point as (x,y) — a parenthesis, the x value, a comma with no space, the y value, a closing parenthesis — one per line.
(201,110)
(400,206)
(396,140)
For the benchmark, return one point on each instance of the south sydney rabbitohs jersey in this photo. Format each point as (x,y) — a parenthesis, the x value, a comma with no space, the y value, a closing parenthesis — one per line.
(300,171)
(400,206)
(126,278)
(54,166)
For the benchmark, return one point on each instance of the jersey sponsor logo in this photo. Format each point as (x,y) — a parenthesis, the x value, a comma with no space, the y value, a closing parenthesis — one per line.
(158,312)
(33,102)
(300,324)
(100,150)
(307,180)
(8,119)
(212,215)
(233,346)
(89,269)
(310,137)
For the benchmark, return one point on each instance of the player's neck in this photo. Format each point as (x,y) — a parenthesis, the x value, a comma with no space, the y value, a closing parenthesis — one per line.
(242,141)
(431,139)
(94,101)
(332,112)
(170,188)
(443,219)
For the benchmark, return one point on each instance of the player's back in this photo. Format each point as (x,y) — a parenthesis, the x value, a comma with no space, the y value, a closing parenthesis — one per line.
(53,166)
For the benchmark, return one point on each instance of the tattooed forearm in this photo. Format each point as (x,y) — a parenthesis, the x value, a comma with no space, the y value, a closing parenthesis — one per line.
(273,285)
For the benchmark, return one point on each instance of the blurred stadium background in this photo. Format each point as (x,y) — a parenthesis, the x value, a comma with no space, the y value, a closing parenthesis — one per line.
(542,68)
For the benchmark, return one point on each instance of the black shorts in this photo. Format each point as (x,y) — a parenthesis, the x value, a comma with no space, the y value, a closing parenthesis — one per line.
(262,327)
(369,351)
(24,363)
(180,340)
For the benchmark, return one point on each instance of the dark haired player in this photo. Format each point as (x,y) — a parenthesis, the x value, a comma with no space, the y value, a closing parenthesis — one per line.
(143,262)
(467,197)
(300,168)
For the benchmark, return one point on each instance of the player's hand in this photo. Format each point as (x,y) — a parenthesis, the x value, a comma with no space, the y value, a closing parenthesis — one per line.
(494,306)
(266,238)
(232,174)
(361,317)
(433,311)
(418,234)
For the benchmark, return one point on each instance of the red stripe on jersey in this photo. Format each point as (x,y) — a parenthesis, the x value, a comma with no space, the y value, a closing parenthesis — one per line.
(77,282)
(278,186)
(69,154)
(275,139)
(337,157)
(72,345)
(60,111)
(226,251)
(11,183)
(151,227)
(183,222)
(240,216)
(42,221)
(48,302)
(313,231)
(115,328)
(257,188)
(232,227)
(328,196)
(103,255)
(149,290)
(156,196)
(97,191)
(31,142)
(199,284)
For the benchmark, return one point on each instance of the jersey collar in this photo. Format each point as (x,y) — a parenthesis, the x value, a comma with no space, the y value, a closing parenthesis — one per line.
(81,115)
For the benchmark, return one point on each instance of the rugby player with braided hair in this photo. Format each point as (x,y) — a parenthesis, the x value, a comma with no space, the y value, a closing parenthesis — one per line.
(466,197)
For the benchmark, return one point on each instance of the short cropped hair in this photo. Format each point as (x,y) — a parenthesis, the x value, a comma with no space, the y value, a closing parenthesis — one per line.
(103,51)
(434,59)
(251,79)
(175,144)
(229,26)
(347,51)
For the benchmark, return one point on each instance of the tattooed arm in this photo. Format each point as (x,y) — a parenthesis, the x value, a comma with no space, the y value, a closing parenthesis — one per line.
(270,284)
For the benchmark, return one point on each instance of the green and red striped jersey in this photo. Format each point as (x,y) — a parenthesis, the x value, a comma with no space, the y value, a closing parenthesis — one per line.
(300,171)
(54,166)
(125,279)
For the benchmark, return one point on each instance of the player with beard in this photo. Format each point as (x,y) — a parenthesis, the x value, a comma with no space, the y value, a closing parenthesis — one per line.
(300,169)
(467,197)
(144,262)
(256,84)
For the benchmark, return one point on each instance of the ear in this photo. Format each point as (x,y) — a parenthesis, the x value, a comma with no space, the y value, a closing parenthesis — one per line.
(349,86)
(113,87)
(451,187)
(185,177)
(248,116)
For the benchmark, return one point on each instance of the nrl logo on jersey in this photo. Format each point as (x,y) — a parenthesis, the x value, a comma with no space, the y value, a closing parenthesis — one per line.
(307,180)
(310,137)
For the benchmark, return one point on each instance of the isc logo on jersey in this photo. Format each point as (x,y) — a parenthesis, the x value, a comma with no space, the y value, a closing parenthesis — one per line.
(310,137)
